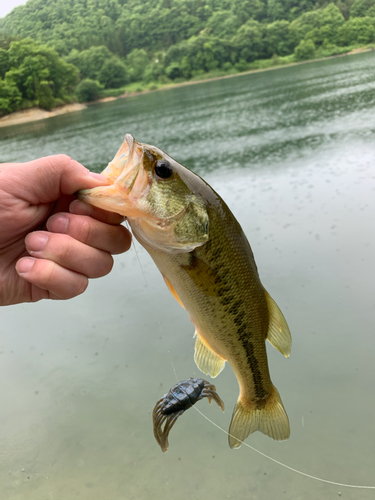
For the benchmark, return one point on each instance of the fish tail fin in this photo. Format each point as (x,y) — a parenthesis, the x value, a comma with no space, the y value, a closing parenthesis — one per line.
(272,420)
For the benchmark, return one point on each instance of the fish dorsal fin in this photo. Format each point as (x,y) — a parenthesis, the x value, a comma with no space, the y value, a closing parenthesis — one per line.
(206,359)
(173,291)
(278,331)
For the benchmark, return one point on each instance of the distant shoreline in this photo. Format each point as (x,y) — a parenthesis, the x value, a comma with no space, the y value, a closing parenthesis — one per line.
(35,114)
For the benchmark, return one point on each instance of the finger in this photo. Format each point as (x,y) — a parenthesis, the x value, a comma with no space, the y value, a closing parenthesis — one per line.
(64,250)
(81,208)
(58,282)
(45,179)
(97,234)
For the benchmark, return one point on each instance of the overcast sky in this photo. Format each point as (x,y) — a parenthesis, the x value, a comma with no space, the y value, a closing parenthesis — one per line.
(7,5)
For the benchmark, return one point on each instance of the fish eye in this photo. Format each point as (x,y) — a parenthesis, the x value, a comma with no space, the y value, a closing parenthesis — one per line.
(163,169)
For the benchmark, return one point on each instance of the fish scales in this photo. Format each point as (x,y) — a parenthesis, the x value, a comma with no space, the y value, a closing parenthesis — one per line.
(209,267)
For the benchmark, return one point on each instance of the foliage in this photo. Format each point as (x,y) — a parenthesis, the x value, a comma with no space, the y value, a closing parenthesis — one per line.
(156,25)
(37,73)
(305,50)
(317,25)
(4,62)
(108,44)
(359,30)
(248,41)
(99,63)
(10,97)
(362,8)
(137,62)
(277,39)
(223,24)
(88,90)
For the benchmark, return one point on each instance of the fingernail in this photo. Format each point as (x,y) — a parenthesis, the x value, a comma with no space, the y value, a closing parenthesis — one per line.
(58,224)
(36,242)
(25,265)
(98,177)
(80,208)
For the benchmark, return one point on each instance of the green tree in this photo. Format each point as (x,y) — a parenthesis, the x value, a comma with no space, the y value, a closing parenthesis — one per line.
(288,9)
(223,24)
(90,61)
(39,73)
(113,73)
(10,97)
(344,6)
(358,30)
(248,42)
(277,38)
(99,63)
(88,90)
(305,50)
(360,8)
(4,62)
(248,9)
(174,71)
(118,41)
(137,62)
(317,25)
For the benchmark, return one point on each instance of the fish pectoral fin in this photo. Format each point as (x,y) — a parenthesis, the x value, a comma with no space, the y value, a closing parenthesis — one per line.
(278,331)
(271,419)
(206,359)
(173,291)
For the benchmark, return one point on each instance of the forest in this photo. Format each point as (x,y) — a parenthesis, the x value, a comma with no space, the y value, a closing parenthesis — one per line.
(58,51)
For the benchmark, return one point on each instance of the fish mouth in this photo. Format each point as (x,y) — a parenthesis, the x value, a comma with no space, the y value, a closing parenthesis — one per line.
(127,178)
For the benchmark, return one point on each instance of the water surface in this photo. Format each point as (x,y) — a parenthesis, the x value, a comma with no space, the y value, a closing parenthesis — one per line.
(292,153)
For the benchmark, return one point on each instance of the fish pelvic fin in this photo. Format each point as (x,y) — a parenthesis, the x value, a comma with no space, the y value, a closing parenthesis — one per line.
(173,291)
(278,331)
(206,359)
(272,420)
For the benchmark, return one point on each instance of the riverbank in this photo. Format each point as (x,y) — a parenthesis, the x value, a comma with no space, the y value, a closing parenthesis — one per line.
(35,114)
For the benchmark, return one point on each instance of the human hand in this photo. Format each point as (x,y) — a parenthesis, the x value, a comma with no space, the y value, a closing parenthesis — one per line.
(45,251)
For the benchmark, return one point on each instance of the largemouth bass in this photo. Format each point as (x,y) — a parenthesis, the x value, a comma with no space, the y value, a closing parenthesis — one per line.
(208,266)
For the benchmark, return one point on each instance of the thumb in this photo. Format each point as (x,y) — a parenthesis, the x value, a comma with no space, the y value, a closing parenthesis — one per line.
(44,180)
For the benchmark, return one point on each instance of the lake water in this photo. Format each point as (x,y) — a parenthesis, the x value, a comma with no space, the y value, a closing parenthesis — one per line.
(292,151)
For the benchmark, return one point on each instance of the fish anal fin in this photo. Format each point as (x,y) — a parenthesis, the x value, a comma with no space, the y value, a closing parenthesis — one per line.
(206,359)
(271,419)
(278,331)
(173,291)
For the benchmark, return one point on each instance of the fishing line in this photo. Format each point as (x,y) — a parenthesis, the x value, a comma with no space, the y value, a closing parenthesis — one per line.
(287,466)
(157,317)
(292,469)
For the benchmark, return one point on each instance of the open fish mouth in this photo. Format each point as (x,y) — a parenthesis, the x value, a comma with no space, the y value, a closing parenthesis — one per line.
(128,181)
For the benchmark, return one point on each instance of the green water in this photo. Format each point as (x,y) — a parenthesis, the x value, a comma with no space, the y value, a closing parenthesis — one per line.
(292,151)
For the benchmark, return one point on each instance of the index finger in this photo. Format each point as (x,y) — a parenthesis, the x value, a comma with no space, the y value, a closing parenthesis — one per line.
(78,207)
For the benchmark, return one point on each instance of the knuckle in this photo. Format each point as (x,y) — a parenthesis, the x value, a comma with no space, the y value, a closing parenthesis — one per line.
(85,230)
(64,251)
(104,267)
(121,240)
(64,158)
(81,286)
(55,161)
(45,273)
(109,264)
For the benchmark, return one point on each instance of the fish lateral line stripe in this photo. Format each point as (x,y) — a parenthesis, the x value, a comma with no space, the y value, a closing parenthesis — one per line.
(260,391)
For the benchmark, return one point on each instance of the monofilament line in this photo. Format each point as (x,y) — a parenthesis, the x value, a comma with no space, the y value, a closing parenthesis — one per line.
(287,466)
(309,476)
(157,318)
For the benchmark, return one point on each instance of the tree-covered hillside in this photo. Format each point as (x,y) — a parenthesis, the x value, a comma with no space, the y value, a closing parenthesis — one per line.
(154,25)
(116,42)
